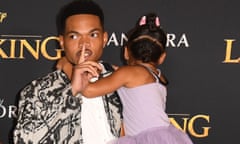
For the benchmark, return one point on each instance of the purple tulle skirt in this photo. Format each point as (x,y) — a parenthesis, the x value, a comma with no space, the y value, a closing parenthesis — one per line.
(159,135)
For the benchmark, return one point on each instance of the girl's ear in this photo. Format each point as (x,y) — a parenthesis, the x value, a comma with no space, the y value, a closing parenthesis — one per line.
(126,54)
(162,58)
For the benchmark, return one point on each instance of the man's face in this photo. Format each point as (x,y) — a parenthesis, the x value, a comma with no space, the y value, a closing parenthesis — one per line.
(83,30)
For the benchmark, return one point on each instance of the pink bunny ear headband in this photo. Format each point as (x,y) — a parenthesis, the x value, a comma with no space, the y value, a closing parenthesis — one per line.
(143,21)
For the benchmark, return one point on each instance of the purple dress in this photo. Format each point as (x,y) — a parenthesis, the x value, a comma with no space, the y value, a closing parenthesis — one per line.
(145,119)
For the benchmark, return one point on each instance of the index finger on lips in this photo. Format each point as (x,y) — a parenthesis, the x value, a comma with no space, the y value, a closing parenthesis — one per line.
(81,58)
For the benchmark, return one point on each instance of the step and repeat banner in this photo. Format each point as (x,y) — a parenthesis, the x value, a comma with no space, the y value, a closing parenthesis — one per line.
(202,63)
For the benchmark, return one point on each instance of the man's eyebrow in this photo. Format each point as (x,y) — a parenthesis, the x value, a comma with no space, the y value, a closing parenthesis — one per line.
(92,30)
(75,32)
(95,29)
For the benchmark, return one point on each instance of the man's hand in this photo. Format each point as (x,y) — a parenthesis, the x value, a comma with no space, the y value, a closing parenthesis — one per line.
(83,72)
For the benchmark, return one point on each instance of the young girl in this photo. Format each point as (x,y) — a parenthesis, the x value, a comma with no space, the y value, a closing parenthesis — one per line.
(141,87)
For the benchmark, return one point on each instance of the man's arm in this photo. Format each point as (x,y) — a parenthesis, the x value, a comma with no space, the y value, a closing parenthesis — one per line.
(23,132)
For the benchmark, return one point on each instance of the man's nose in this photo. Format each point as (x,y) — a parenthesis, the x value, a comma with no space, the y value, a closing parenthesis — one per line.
(84,44)
(84,41)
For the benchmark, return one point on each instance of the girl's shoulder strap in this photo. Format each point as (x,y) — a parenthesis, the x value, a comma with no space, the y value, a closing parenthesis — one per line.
(163,80)
(160,77)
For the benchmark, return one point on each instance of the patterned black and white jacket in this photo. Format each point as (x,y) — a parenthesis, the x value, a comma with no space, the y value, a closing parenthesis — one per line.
(48,113)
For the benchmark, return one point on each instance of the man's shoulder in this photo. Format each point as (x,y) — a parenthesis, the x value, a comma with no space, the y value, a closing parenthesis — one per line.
(49,76)
(48,80)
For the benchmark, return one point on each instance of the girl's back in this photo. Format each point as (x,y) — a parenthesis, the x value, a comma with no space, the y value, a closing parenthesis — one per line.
(144,105)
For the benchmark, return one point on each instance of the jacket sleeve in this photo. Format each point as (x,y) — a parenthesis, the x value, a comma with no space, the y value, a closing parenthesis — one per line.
(27,115)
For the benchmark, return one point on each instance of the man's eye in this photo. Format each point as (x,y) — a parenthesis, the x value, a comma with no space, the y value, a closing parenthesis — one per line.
(73,36)
(94,34)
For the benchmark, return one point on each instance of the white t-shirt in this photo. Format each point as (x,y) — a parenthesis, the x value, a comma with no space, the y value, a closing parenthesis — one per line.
(95,126)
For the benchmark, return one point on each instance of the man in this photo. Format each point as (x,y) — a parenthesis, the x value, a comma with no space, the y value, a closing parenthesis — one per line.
(49,113)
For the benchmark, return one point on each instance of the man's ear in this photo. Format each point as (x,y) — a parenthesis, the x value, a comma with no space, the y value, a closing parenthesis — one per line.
(60,37)
(162,58)
(126,53)
(105,39)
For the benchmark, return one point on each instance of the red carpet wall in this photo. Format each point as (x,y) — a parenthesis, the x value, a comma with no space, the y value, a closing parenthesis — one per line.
(201,66)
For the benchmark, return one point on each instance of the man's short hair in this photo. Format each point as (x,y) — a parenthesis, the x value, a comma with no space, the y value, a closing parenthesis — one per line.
(78,7)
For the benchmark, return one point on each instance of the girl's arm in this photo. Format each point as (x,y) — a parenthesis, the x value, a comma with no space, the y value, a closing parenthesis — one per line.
(108,84)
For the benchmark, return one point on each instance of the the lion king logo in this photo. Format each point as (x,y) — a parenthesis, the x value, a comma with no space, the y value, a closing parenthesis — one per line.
(3,15)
